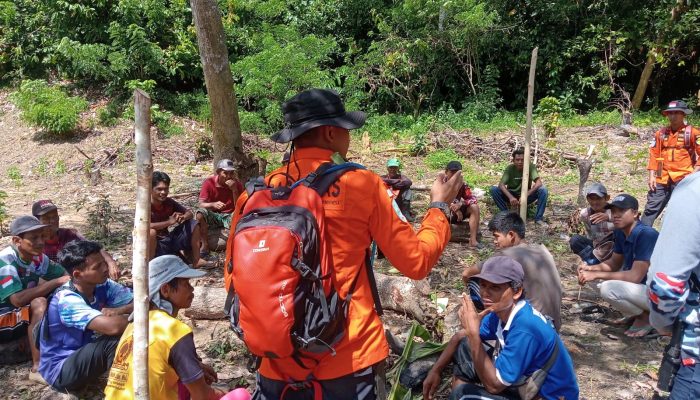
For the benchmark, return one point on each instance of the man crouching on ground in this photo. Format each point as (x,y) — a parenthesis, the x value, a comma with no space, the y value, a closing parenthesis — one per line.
(89,304)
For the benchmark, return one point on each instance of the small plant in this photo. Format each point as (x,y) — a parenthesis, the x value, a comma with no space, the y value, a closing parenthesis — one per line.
(100,216)
(636,156)
(3,211)
(548,112)
(438,159)
(109,114)
(60,167)
(15,175)
(42,168)
(48,107)
(203,149)
(165,122)
(420,143)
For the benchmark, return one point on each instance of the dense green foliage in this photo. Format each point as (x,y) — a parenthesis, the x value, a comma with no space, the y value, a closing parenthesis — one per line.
(464,58)
(48,107)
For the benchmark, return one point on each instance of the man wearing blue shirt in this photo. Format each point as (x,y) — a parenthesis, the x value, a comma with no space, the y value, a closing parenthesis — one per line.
(525,342)
(88,304)
(624,273)
(675,262)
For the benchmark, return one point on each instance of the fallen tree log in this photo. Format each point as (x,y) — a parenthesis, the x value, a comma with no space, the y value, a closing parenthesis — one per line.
(397,293)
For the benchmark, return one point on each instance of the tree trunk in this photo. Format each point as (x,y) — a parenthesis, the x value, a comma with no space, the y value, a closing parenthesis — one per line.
(225,125)
(643,82)
(641,90)
(525,185)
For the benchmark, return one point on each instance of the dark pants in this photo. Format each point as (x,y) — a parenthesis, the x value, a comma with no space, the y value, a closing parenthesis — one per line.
(583,247)
(87,364)
(179,239)
(686,385)
(540,196)
(656,202)
(355,386)
(464,370)
(404,202)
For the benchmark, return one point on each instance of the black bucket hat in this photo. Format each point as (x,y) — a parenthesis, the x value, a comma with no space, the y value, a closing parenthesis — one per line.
(312,108)
(677,105)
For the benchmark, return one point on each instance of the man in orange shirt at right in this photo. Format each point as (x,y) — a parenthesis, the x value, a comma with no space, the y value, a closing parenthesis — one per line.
(673,154)
(358,210)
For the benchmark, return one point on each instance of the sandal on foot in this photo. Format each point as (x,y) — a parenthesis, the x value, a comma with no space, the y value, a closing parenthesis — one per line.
(645,331)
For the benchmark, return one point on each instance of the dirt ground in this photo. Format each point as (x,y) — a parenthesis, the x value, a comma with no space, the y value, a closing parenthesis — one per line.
(34,166)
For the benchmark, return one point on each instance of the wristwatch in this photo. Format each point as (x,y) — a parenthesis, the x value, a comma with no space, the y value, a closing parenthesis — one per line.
(442,206)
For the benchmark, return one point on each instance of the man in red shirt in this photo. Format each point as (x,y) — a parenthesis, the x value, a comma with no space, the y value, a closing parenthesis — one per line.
(359,209)
(184,238)
(217,199)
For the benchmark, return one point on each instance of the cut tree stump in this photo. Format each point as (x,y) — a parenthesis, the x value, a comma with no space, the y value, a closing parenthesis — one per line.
(217,239)
(208,303)
(460,232)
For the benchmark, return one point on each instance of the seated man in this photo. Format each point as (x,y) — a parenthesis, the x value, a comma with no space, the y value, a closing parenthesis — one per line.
(166,212)
(401,186)
(217,200)
(47,213)
(71,355)
(172,357)
(542,284)
(624,274)
(464,205)
(597,220)
(26,277)
(507,193)
(514,325)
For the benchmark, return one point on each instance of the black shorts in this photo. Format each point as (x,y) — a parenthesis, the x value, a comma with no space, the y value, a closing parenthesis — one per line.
(179,239)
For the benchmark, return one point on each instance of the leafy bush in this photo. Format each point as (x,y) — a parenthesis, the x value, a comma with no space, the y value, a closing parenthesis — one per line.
(48,107)
(548,112)
(438,159)
(109,115)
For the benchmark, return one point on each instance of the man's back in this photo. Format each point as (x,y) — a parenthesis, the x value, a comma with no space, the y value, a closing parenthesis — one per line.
(358,210)
(542,283)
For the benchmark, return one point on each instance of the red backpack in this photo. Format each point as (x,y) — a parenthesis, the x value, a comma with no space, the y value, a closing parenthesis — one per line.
(283,301)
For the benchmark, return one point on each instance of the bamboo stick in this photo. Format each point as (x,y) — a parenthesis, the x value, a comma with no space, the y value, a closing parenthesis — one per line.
(528,136)
(142,220)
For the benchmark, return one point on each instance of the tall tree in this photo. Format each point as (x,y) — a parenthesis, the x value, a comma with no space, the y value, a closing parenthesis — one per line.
(225,124)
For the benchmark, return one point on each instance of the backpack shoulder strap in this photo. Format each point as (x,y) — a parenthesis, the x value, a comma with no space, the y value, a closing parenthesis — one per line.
(552,358)
(689,144)
(326,175)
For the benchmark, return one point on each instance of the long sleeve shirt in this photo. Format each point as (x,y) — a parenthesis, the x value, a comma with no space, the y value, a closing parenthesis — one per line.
(675,257)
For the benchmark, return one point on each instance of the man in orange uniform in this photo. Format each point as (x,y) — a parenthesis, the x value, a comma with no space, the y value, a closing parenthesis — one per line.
(358,209)
(672,156)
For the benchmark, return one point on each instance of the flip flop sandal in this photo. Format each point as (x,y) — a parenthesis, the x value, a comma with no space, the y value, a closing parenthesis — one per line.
(594,309)
(641,332)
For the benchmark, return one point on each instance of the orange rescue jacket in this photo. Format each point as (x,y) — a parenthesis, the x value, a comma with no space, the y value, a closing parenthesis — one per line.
(677,158)
(359,208)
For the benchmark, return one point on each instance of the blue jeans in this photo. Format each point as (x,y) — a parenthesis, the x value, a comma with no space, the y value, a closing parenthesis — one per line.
(540,196)
(686,385)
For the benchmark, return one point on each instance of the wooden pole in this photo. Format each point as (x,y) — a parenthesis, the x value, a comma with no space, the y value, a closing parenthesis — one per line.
(142,221)
(528,136)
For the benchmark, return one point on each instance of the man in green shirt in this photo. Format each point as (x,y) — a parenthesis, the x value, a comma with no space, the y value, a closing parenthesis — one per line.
(507,193)
(26,277)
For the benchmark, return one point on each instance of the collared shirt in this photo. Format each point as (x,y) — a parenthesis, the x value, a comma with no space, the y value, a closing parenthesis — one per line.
(63,237)
(638,246)
(358,208)
(212,192)
(600,231)
(68,317)
(677,161)
(676,256)
(527,341)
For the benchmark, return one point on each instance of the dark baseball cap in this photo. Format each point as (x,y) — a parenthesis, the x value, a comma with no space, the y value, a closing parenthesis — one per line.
(226,165)
(41,207)
(624,201)
(25,223)
(597,189)
(454,166)
(501,269)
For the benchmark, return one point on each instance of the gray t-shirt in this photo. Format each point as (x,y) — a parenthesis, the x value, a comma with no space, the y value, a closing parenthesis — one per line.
(542,284)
